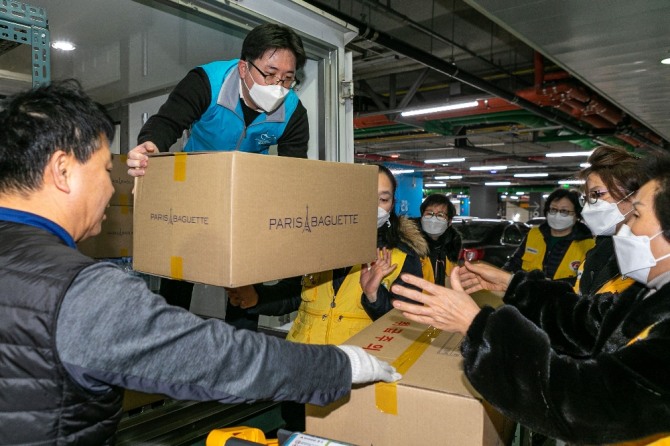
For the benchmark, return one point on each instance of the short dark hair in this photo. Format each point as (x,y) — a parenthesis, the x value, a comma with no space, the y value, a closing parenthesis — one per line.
(439,200)
(658,169)
(36,123)
(570,194)
(270,36)
(619,170)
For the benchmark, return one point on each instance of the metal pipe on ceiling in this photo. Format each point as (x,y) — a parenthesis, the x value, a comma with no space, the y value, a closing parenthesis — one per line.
(368,32)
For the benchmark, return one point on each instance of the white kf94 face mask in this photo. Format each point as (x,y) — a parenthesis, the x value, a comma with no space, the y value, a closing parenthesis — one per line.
(382,217)
(434,226)
(603,216)
(633,254)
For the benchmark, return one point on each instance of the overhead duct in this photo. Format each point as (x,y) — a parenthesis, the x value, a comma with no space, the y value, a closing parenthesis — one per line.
(451,70)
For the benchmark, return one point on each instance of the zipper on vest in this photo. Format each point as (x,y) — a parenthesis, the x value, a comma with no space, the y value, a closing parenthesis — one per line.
(241,138)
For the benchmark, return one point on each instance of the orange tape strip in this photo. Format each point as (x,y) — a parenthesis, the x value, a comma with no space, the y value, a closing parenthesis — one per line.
(177,267)
(179,166)
(386,394)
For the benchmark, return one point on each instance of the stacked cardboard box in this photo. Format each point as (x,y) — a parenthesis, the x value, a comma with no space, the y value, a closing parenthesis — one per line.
(432,404)
(232,218)
(116,237)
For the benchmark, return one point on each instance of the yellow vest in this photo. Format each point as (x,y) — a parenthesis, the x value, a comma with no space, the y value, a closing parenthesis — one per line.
(326,318)
(616,285)
(536,249)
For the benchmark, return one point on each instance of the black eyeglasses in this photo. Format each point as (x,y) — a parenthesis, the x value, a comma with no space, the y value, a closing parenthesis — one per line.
(440,215)
(563,212)
(271,79)
(593,197)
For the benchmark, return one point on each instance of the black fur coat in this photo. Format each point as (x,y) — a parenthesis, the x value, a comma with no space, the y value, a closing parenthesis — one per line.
(562,365)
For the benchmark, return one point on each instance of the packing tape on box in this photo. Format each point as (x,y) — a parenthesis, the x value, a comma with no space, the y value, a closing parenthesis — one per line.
(179,166)
(176,267)
(124,200)
(386,394)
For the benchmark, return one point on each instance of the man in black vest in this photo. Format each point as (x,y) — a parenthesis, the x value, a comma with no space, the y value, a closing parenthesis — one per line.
(73,331)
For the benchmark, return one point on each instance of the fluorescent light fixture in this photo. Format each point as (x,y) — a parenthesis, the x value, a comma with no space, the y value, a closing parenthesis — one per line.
(585,165)
(435,185)
(514,198)
(520,193)
(445,160)
(490,144)
(488,168)
(401,171)
(442,108)
(528,166)
(63,45)
(497,183)
(531,175)
(545,196)
(571,182)
(564,154)
(449,177)
(666,61)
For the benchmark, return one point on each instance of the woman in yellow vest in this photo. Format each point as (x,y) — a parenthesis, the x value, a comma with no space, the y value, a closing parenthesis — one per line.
(587,370)
(558,246)
(612,177)
(334,305)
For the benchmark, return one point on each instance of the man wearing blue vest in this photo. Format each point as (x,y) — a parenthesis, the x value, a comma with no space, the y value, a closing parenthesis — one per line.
(246,104)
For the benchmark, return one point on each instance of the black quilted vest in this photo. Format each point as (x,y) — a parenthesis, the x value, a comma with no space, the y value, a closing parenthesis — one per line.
(39,403)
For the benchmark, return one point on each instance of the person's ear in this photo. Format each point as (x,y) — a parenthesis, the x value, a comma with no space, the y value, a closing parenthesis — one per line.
(242,68)
(58,171)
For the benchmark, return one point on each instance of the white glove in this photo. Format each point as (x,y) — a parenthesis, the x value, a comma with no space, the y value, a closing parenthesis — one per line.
(366,368)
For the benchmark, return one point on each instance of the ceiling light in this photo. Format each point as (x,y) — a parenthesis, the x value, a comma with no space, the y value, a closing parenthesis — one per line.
(528,166)
(401,171)
(395,155)
(63,45)
(520,193)
(497,183)
(563,154)
(489,168)
(530,175)
(445,160)
(443,108)
(585,165)
(434,184)
(571,182)
(490,144)
(514,198)
(449,177)
(666,61)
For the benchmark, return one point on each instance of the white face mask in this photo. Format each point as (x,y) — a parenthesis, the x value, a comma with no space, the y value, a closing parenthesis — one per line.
(603,216)
(382,217)
(434,226)
(560,222)
(633,254)
(267,97)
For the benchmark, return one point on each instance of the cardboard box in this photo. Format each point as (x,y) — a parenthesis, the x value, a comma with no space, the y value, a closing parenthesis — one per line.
(116,237)
(123,183)
(232,219)
(432,404)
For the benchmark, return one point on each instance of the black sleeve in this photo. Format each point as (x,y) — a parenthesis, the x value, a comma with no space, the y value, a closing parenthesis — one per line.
(185,105)
(281,298)
(455,245)
(293,142)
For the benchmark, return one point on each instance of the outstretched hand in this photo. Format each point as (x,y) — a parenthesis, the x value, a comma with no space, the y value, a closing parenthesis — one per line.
(452,310)
(138,160)
(474,277)
(372,274)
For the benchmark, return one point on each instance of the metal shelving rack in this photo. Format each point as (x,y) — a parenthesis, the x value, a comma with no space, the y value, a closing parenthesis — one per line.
(21,23)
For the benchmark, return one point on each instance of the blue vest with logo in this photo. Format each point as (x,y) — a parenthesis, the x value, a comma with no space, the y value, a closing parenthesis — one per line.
(221,127)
